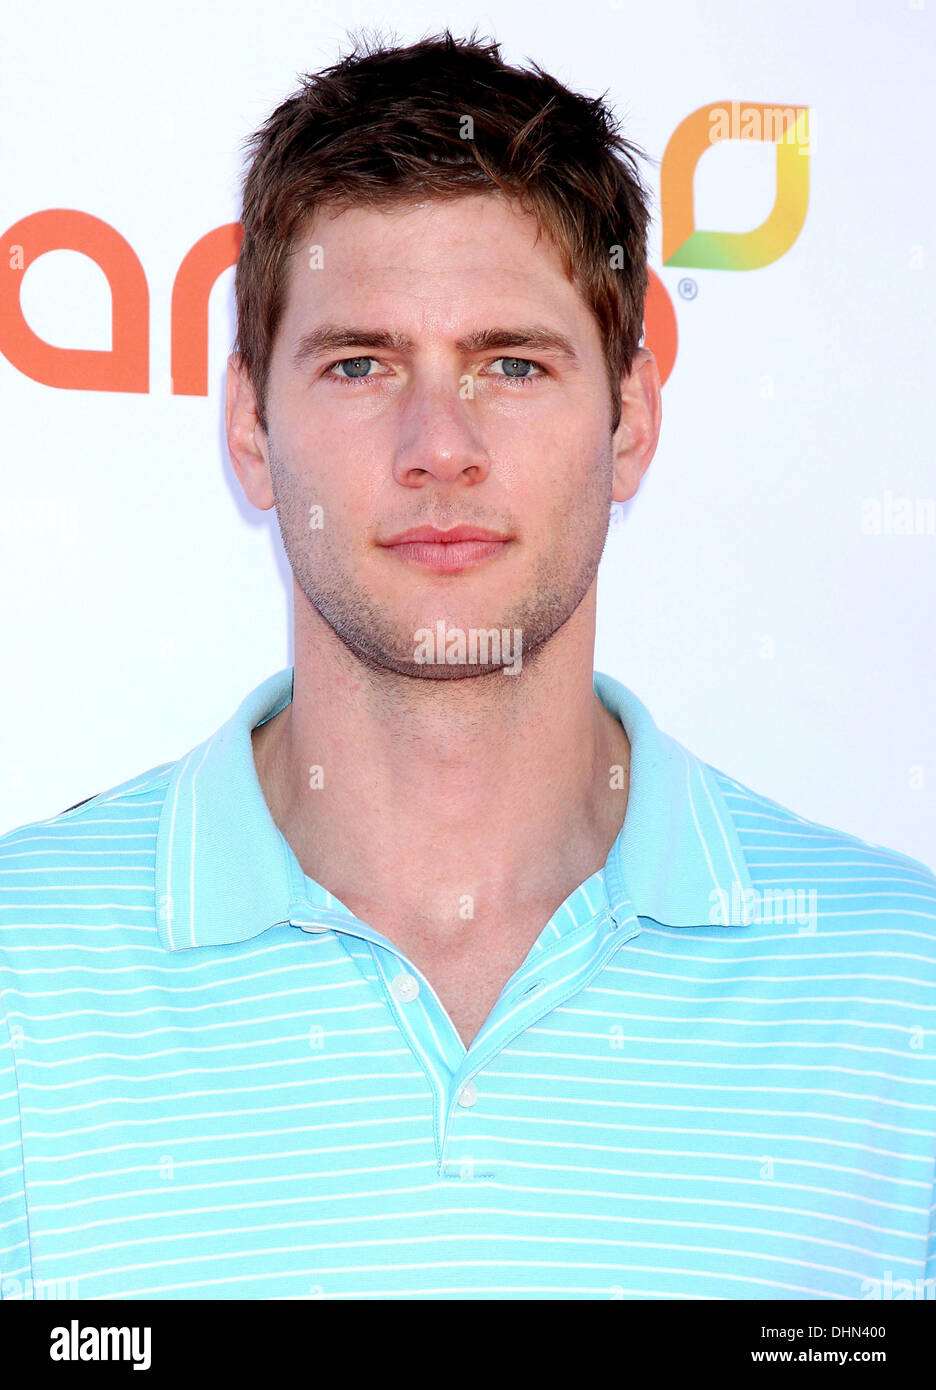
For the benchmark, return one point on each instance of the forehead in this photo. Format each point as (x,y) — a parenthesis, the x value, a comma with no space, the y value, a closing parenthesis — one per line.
(433,260)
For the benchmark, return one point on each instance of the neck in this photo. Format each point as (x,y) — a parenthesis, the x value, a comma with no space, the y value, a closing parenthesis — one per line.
(496,788)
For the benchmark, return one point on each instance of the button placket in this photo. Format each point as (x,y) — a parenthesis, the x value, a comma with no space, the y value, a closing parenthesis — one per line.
(466,1164)
(425,1026)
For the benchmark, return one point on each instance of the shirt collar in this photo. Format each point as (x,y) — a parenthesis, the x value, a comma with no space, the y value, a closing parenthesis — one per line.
(678,852)
(225,873)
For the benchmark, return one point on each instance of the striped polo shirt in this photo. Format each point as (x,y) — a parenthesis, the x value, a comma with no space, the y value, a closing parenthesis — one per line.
(713,1076)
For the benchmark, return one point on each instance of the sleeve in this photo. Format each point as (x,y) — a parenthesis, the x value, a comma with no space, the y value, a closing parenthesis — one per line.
(15,1267)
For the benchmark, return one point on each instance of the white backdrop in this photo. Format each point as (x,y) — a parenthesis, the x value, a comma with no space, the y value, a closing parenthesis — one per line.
(744,596)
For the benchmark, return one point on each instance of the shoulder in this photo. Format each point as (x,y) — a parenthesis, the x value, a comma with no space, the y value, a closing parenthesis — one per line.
(81,878)
(97,817)
(853,881)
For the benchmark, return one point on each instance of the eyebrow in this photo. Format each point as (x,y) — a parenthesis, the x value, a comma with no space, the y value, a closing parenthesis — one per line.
(330,337)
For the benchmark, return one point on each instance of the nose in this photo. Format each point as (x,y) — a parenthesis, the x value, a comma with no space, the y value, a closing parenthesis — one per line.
(439,436)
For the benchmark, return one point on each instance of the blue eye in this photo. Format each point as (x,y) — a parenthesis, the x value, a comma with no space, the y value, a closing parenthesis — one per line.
(354,362)
(511,363)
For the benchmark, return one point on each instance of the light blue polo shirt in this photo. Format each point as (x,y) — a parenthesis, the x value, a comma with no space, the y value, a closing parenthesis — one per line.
(714,1075)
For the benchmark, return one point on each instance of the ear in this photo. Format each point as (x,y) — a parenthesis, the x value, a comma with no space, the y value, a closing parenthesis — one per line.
(247,441)
(638,432)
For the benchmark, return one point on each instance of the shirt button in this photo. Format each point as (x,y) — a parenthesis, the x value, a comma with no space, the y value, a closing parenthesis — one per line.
(468,1095)
(313,926)
(405,987)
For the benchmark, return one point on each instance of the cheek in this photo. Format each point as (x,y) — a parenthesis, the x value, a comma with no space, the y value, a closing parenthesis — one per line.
(582,473)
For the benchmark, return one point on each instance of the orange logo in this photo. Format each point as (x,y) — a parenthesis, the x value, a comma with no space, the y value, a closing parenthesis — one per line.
(126,366)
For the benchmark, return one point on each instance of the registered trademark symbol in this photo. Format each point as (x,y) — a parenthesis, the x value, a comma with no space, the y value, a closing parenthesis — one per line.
(688,288)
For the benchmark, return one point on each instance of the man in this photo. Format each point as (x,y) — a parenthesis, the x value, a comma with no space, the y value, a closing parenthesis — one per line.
(440,970)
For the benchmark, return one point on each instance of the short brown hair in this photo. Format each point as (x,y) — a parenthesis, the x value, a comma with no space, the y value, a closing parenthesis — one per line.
(442,118)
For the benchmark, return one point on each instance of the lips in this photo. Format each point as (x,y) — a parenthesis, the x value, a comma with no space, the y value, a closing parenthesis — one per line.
(450,551)
(431,535)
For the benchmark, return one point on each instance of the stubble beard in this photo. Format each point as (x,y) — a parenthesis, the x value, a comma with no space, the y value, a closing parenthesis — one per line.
(381,642)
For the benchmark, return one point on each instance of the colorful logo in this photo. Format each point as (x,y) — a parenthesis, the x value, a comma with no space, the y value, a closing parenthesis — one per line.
(684,244)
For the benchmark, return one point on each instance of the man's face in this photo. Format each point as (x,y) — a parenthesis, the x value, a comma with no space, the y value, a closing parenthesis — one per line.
(432,424)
